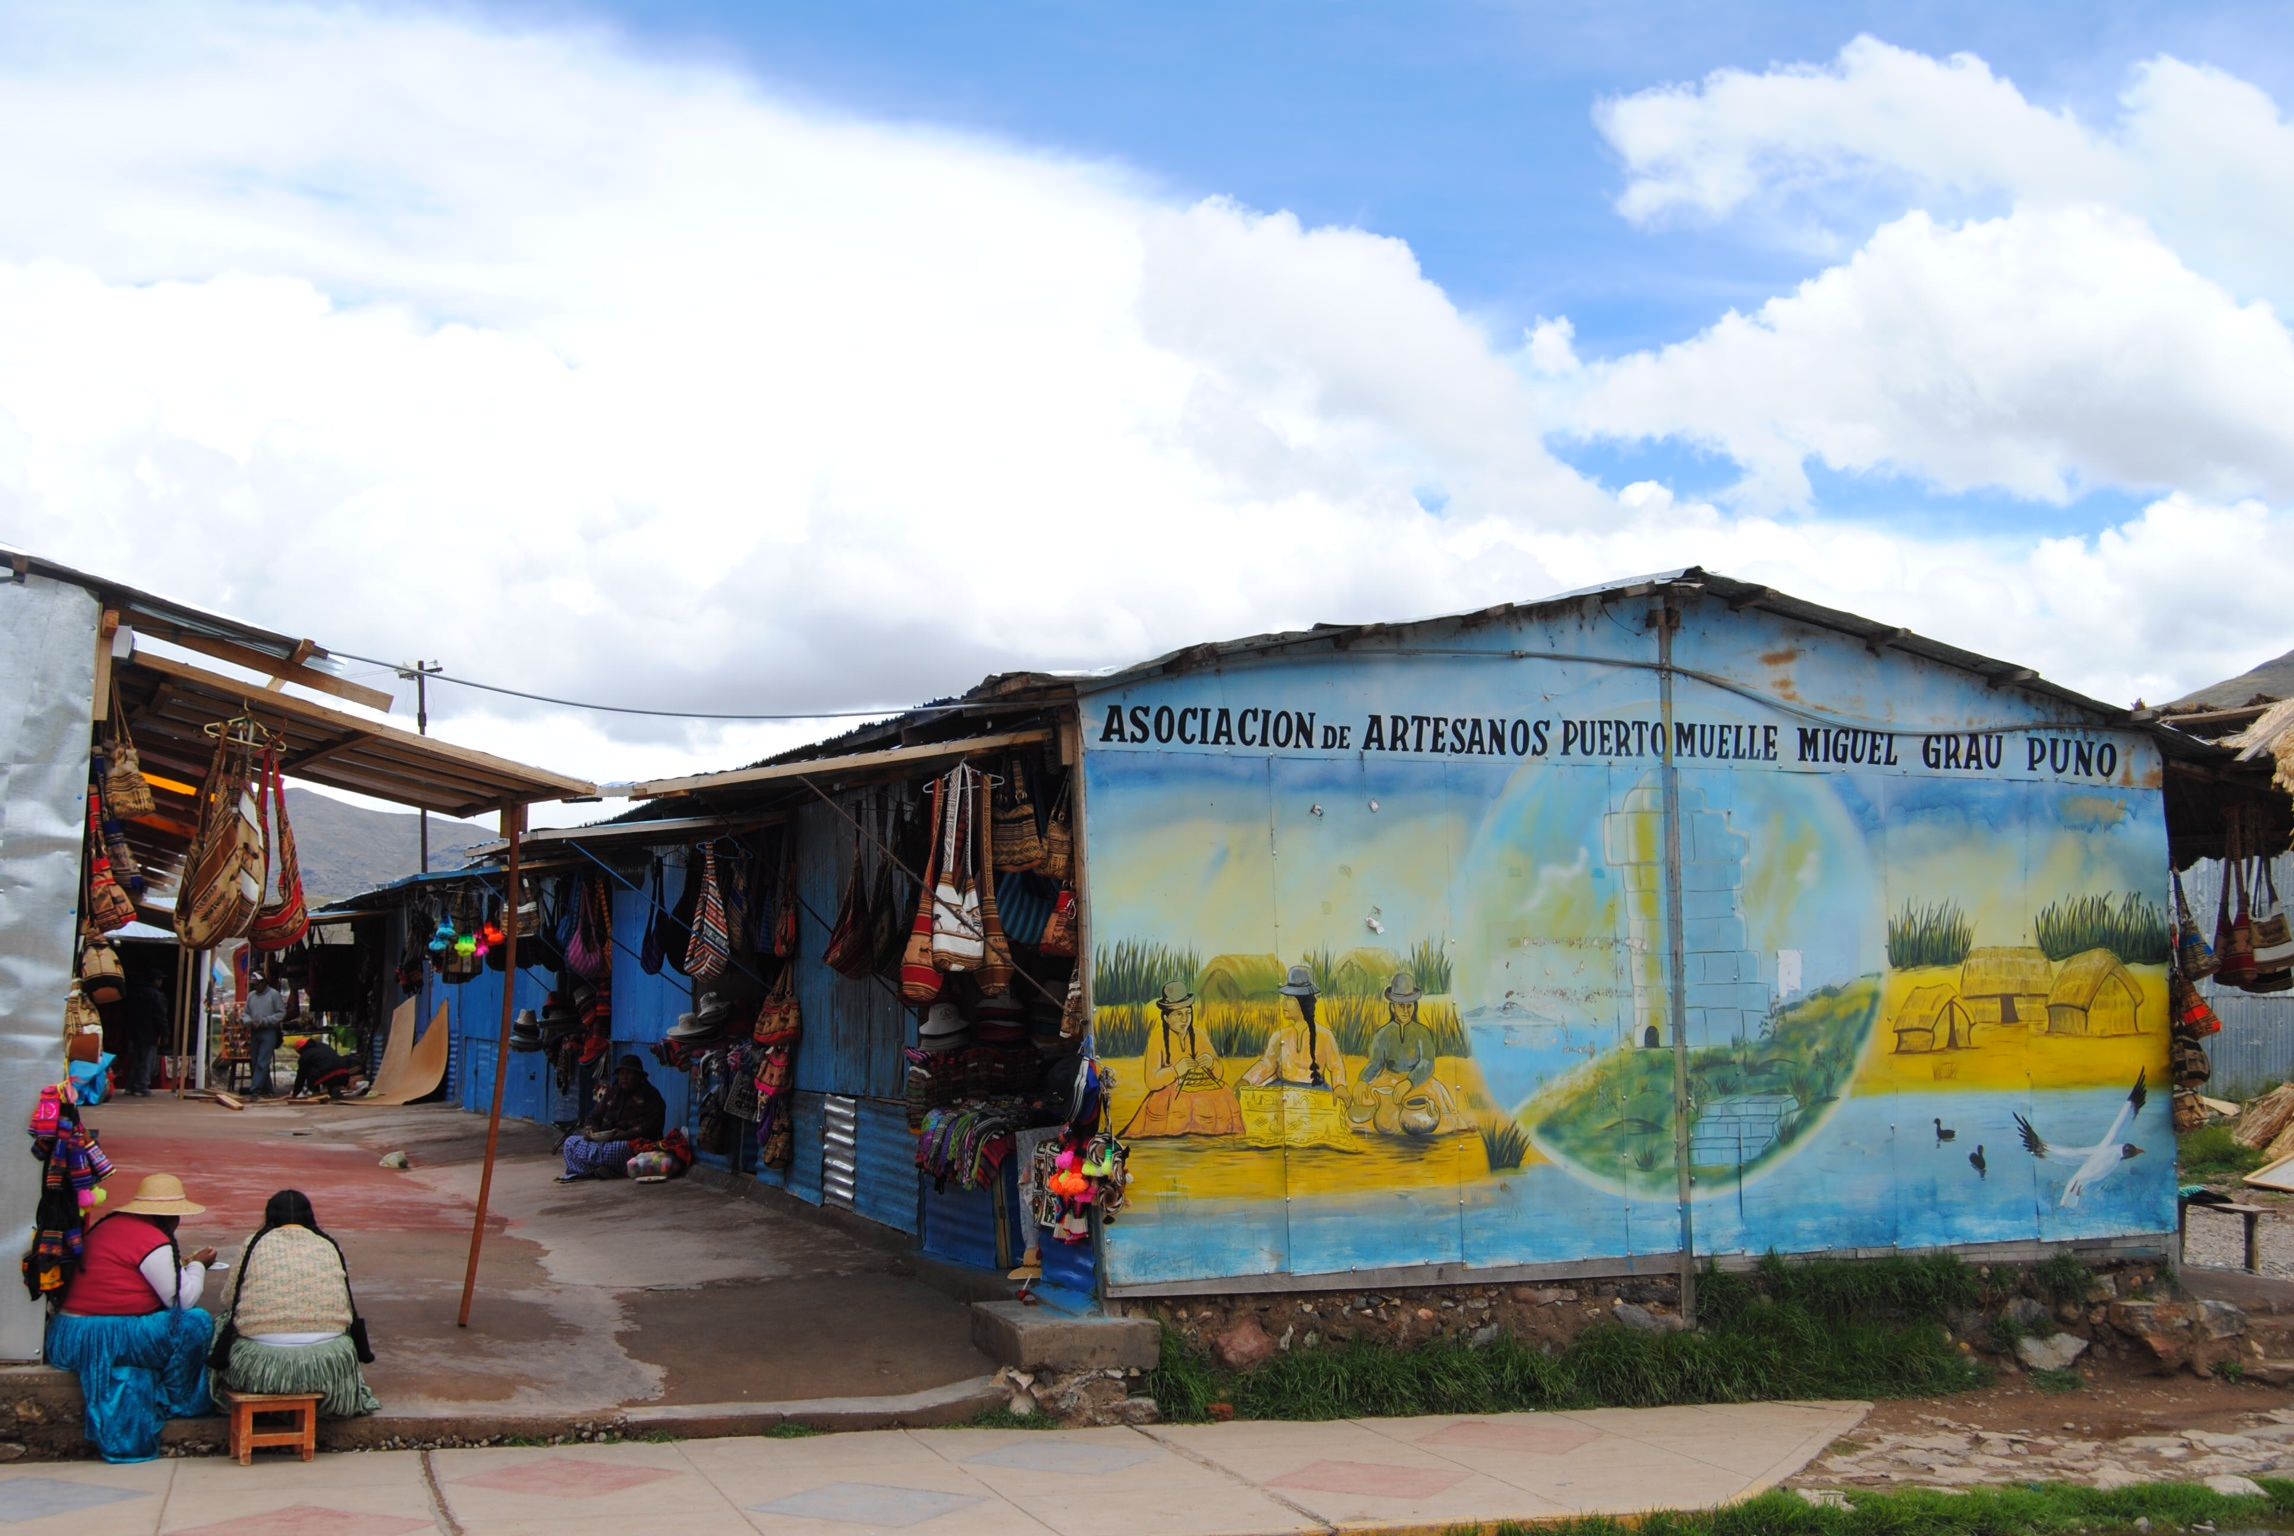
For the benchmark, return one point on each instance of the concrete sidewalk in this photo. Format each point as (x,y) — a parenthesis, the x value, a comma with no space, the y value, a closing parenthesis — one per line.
(1258,1479)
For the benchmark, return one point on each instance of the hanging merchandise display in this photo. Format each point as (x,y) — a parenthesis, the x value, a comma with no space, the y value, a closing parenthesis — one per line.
(2194,957)
(1018,838)
(919,978)
(779,1028)
(1059,839)
(126,792)
(2273,934)
(711,947)
(224,869)
(852,938)
(285,920)
(73,1168)
(685,917)
(109,908)
(2233,929)
(996,967)
(653,949)
(1059,930)
(589,953)
(784,915)
(103,980)
(958,945)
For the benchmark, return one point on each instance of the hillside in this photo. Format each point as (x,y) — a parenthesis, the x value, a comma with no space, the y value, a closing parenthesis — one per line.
(346,849)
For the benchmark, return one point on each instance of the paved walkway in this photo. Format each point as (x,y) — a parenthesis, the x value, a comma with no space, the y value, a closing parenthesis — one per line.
(1209,1480)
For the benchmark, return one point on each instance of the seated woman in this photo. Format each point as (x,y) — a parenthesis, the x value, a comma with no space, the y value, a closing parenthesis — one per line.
(629,1111)
(131,1326)
(1187,1092)
(292,1313)
(320,1068)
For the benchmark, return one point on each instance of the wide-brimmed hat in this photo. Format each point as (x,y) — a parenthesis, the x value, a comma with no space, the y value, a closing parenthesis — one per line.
(1301,983)
(1175,995)
(525,1031)
(943,1028)
(160,1194)
(998,1007)
(559,1020)
(1403,988)
(699,1026)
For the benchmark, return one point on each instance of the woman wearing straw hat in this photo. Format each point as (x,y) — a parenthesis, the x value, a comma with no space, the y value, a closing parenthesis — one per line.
(1301,1052)
(131,1325)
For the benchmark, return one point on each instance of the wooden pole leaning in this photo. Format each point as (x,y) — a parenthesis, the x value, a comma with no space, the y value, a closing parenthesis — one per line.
(514,832)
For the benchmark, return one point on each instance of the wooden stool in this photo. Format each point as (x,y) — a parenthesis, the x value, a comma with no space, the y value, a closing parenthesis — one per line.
(302,1433)
(2250,1214)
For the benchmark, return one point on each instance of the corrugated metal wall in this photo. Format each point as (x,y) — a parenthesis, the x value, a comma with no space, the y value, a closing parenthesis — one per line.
(854,1030)
(2255,1051)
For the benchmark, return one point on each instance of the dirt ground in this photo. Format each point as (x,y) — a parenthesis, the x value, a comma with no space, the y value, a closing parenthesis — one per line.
(592,1297)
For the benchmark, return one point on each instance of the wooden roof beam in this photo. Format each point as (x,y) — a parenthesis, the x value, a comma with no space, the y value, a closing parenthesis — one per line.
(278,671)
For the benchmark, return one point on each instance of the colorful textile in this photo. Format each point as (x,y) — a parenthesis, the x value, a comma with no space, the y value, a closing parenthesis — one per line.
(291,1280)
(586,1159)
(967,1145)
(135,1373)
(329,1370)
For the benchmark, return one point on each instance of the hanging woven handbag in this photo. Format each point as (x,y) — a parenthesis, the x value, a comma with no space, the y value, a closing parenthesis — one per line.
(2273,934)
(653,949)
(1018,839)
(125,790)
(686,915)
(785,908)
(2234,928)
(958,945)
(996,968)
(224,869)
(2193,1015)
(919,977)
(779,1019)
(2194,957)
(711,948)
(284,921)
(1059,839)
(1059,931)
(125,869)
(108,908)
(586,952)
(80,1015)
(852,938)
(103,980)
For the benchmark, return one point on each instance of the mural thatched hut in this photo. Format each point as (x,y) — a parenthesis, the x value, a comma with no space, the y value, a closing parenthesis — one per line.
(1241,978)
(2002,985)
(1365,972)
(1933,1019)
(2094,995)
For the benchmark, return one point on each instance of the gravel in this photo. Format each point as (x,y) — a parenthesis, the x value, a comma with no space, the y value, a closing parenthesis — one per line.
(2217,1241)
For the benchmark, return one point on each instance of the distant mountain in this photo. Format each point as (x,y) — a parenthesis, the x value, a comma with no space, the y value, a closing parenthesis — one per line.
(345,849)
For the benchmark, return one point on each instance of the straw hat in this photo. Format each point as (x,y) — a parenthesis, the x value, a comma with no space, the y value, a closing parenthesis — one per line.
(161,1194)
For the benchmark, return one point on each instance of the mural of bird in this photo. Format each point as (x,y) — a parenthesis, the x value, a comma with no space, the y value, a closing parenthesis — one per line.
(2096,1162)
(1975,1161)
(1945,1133)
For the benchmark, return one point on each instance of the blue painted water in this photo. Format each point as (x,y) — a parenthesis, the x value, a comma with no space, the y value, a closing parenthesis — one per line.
(1874,1177)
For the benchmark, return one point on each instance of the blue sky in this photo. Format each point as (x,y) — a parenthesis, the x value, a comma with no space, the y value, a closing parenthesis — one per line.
(1464,128)
(825,357)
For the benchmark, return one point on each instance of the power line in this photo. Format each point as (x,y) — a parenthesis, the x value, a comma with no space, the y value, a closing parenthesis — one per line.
(405,669)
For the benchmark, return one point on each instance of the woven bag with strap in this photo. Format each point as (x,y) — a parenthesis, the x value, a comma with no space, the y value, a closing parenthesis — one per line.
(711,948)
(653,949)
(1018,840)
(109,908)
(852,937)
(1059,839)
(919,977)
(2194,957)
(958,944)
(102,978)
(996,968)
(284,921)
(124,788)
(224,868)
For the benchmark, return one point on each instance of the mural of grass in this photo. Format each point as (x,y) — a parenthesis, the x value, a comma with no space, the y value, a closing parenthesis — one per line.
(1125,977)
(1120,1031)
(1429,961)
(1931,935)
(2134,928)
(1504,1142)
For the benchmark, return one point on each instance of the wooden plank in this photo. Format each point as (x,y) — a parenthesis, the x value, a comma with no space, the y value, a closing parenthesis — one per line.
(298,662)
(2278,1176)
(829,767)
(274,667)
(507,777)
(106,627)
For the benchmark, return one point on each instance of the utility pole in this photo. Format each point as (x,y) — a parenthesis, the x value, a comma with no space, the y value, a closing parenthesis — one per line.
(421,675)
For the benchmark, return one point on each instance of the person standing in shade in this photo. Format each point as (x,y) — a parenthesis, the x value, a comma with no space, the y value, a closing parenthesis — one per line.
(266,1015)
(147,1026)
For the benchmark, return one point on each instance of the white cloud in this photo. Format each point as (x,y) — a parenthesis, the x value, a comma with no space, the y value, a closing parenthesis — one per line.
(619,379)
(2206,158)
(2044,353)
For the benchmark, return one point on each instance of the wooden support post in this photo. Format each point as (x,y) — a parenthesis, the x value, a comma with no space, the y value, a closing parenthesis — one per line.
(514,832)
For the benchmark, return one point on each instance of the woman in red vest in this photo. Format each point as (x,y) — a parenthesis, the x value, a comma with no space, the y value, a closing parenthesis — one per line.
(131,1325)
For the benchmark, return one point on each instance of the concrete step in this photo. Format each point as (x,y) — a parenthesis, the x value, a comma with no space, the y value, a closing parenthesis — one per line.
(1036,1338)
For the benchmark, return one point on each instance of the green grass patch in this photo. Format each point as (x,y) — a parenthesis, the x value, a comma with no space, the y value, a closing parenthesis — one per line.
(1789,1331)
(2056,1383)
(791,1430)
(1004,1418)
(2032,1509)
(2134,927)
(2211,1154)
(1939,934)
(2064,1278)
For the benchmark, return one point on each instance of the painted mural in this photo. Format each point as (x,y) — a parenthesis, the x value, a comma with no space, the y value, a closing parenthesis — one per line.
(1379,988)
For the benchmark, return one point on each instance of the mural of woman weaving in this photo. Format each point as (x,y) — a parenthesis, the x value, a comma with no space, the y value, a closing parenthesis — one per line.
(1399,1095)
(1187,1092)
(1294,1095)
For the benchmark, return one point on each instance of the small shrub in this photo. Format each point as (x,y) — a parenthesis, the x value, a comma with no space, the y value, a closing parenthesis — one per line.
(2064,1278)
(2056,1383)
(2213,1154)
(1504,1142)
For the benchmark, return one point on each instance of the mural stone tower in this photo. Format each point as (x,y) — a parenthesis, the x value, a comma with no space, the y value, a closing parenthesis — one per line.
(1727,999)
